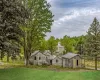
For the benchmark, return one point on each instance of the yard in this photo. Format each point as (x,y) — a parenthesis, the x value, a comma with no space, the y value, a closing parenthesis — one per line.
(36,74)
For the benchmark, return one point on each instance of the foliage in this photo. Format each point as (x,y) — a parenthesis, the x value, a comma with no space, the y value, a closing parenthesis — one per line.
(52,44)
(93,40)
(67,42)
(12,14)
(44,45)
(80,47)
(39,23)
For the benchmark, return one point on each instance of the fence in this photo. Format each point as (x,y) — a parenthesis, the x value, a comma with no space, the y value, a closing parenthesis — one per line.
(89,62)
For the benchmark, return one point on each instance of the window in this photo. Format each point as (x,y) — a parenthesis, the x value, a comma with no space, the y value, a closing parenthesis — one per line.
(35,58)
(56,61)
(39,58)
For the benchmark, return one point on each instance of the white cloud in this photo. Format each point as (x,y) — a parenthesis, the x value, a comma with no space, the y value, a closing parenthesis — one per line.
(72,21)
(74,13)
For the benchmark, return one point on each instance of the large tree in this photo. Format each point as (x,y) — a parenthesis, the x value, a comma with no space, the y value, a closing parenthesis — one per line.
(38,25)
(12,14)
(93,40)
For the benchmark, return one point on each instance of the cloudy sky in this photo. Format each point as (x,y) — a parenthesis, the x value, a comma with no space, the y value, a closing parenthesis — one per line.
(73,17)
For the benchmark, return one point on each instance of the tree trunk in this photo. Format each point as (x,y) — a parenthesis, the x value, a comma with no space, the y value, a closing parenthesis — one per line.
(7,57)
(25,54)
(26,62)
(95,62)
(1,56)
(84,62)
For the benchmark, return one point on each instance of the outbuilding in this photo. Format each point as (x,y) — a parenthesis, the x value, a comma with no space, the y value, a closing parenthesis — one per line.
(71,60)
(57,61)
(37,58)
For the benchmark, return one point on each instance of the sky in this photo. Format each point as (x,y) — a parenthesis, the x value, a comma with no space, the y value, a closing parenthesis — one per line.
(73,17)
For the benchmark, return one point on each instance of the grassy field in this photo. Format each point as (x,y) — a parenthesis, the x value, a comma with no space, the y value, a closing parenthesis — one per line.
(35,74)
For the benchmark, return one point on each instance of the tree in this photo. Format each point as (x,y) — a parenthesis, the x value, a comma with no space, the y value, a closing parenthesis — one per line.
(52,44)
(12,14)
(39,23)
(67,42)
(43,45)
(80,45)
(93,40)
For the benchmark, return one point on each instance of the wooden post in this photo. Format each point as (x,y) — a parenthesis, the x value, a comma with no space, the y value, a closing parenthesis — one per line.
(84,62)
(96,62)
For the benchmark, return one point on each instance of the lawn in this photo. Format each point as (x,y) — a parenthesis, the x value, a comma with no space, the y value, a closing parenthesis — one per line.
(35,74)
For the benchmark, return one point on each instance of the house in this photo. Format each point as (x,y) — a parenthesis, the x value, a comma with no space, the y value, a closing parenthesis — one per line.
(49,57)
(57,61)
(37,58)
(71,60)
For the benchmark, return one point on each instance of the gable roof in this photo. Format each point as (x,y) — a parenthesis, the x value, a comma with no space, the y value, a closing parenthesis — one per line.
(47,53)
(52,57)
(58,57)
(69,55)
(36,52)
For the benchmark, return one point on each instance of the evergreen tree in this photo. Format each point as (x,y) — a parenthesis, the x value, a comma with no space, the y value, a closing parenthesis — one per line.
(12,14)
(93,40)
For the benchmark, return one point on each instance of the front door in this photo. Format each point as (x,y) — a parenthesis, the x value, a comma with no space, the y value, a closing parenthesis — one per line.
(67,62)
(77,63)
(50,62)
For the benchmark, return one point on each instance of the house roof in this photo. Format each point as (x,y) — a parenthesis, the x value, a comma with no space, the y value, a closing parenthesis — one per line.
(47,53)
(69,55)
(35,53)
(58,57)
(52,57)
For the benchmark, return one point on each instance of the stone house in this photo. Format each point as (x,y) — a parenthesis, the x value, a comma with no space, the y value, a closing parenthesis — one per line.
(71,60)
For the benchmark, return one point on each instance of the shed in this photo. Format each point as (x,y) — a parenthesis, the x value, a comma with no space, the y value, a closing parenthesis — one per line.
(71,60)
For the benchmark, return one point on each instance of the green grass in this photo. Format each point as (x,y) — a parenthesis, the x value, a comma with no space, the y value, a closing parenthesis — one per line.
(35,74)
